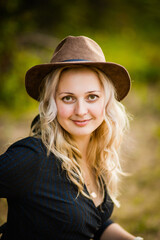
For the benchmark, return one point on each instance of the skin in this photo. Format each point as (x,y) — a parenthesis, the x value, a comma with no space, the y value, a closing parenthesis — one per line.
(80,104)
(116,232)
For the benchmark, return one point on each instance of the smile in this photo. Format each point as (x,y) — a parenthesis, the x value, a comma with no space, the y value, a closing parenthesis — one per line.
(81,123)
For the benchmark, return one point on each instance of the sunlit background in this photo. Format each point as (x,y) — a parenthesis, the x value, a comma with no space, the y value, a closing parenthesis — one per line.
(128,32)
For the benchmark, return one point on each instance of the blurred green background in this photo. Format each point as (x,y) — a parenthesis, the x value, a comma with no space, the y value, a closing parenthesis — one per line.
(128,32)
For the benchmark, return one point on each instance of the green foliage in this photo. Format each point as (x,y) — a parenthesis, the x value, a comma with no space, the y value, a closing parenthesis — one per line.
(138,56)
(12,91)
(128,32)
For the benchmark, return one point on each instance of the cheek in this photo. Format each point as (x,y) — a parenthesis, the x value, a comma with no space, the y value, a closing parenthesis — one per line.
(63,111)
(99,113)
(98,110)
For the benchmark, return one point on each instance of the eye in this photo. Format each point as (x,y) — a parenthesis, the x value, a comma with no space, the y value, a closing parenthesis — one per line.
(92,97)
(68,99)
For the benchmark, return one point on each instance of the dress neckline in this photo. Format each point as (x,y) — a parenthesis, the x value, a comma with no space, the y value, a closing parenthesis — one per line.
(99,205)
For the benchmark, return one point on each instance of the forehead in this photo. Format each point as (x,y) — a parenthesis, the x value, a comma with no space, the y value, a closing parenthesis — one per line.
(79,79)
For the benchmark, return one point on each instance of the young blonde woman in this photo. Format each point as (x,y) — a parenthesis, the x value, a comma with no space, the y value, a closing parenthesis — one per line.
(62,182)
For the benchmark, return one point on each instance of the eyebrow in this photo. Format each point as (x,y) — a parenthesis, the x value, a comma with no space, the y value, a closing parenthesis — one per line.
(70,93)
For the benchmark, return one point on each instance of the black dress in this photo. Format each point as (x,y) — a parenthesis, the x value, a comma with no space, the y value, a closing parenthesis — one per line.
(42,201)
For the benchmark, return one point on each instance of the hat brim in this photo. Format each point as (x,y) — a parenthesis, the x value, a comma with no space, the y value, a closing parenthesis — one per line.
(116,73)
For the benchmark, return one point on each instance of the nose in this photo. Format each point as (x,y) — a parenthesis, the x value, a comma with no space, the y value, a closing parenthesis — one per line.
(81,108)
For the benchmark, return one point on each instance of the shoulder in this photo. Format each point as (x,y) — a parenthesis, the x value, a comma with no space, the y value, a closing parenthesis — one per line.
(21,164)
(31,149)
(28,144)
(26,151)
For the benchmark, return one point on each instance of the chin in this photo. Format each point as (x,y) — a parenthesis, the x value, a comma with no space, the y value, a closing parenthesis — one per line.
(81,134)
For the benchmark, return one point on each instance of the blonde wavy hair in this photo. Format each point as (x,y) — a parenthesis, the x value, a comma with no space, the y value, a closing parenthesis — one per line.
(105,141)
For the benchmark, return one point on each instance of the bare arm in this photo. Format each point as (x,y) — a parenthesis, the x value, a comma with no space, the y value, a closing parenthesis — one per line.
(116,232)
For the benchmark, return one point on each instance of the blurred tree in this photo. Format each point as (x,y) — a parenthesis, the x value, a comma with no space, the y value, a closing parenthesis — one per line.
(27,25)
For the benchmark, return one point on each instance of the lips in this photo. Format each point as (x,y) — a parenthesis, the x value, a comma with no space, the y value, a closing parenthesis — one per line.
(81,123)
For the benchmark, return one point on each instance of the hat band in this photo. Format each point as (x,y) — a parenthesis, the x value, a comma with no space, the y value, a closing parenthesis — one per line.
(76,60)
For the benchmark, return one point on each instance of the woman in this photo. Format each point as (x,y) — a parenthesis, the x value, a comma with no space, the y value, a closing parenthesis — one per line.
(61,182)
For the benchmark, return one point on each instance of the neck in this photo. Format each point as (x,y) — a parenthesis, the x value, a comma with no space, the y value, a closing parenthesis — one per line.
(83,145)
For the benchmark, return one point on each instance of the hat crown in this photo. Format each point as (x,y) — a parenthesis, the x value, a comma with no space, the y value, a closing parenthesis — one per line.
(80,47)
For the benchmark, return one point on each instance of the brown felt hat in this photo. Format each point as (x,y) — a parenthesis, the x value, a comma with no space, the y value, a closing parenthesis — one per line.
(79,50)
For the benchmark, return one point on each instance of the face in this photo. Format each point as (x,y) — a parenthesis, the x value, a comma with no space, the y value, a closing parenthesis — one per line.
(80,102)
